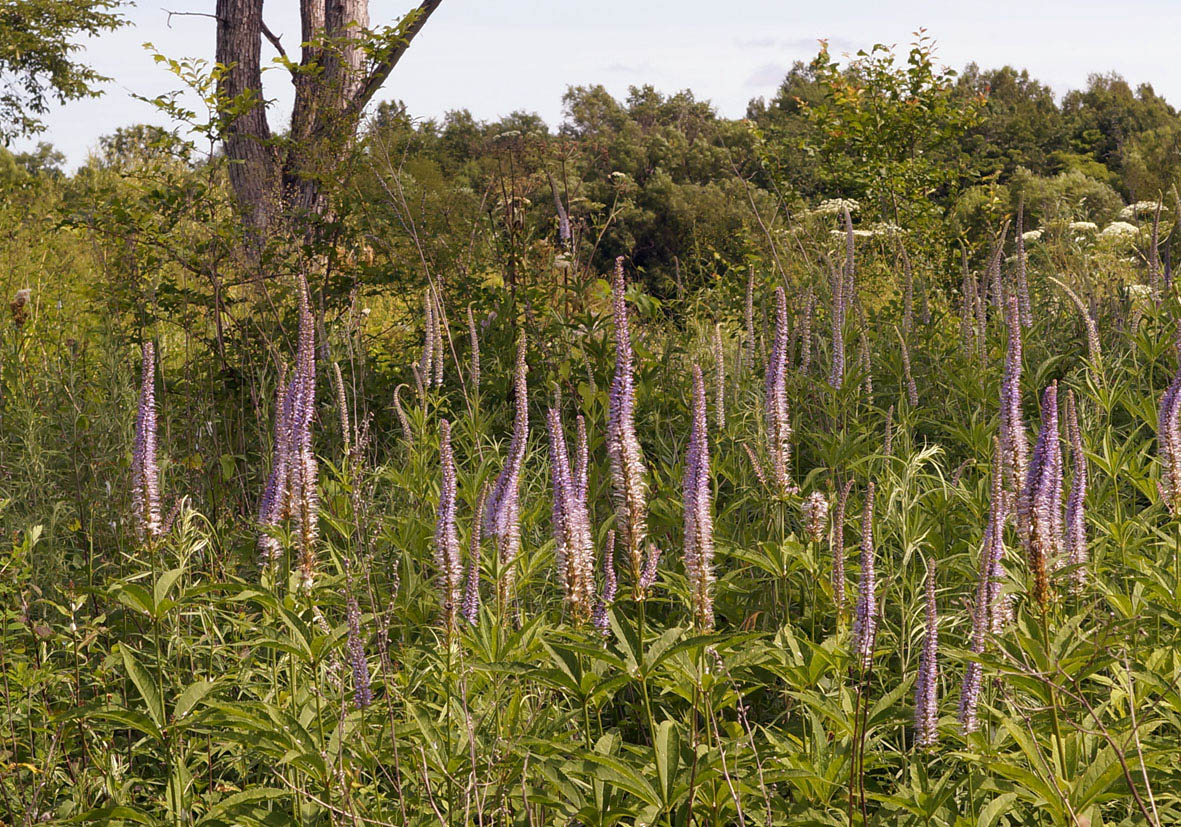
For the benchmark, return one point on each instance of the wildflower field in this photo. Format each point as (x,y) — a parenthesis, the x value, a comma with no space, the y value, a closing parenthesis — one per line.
(849,502)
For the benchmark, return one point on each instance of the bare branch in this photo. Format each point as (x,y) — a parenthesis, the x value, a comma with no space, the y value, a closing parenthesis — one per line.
(274,38)
(382,71)
(172,14)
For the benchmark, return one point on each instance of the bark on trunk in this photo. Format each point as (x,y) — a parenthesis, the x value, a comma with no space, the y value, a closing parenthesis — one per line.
(247,135)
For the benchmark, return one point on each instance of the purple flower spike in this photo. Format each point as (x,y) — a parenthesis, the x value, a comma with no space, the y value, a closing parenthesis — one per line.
(1014,442)
(362,692)
(610,586)
(145,476)
(912,392)
(748,318)
(814,509)
(1168,440)
(697,497)
(474,338)
(837,377)
(1039,508)
(629,486)
(450,570)
(865,624)
(303,471)
(471,588)
(806,332)
(571,525)
(1076,529)
(291,491)
(926,691)
(502,511)
(996,605)
(990,610)
(779,430)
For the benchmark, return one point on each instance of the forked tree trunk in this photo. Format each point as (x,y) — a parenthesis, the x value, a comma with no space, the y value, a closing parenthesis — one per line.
(333,83)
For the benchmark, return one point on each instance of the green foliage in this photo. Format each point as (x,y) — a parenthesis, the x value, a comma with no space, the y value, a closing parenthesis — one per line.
(38,44)
(886,133)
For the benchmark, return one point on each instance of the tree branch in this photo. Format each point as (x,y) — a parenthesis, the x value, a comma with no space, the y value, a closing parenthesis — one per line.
(271,36)
(382,71)
(274,39)
(171,14)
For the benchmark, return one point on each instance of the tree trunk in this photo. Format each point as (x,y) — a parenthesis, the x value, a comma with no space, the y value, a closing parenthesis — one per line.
(253,162)
(333,83)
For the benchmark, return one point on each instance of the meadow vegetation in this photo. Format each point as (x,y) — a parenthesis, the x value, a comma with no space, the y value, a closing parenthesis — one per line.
(817,467)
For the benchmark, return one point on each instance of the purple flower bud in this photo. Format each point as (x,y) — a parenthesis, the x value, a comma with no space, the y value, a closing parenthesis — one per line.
(912,393)
(403,419)
(474,337)
(648,575)
(838,548)
(864,364)
(719,379)
(1024,311)
(1094,351)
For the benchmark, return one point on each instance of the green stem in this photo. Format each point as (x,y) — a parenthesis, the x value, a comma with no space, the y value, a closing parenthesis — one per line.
(1060,746)
(640,624)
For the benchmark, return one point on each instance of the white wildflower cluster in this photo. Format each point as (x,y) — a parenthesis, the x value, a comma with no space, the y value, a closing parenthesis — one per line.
(1139,208)
(1119,230)
(835,206)
(870,231)
(1139,292)
(1082,226)
(1031,236)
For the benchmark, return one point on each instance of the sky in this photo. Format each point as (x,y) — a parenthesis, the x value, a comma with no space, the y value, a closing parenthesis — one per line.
(497,57)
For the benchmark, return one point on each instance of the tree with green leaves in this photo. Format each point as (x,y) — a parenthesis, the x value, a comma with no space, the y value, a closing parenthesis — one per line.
(38,50)
(888,132)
